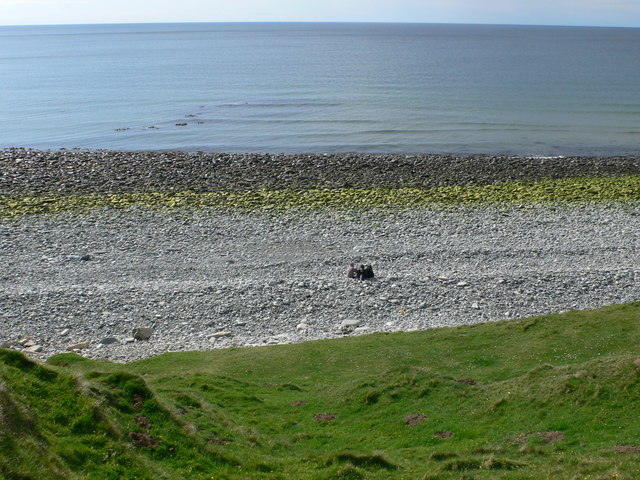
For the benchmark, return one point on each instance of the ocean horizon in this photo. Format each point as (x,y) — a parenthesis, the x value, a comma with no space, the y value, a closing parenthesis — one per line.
(322,88)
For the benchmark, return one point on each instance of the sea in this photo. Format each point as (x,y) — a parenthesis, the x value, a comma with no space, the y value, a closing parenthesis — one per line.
(322,88)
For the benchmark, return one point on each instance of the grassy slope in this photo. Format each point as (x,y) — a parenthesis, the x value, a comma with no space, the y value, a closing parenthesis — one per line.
(249,413)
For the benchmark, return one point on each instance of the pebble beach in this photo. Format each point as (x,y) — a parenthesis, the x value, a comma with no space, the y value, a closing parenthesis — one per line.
(203,279)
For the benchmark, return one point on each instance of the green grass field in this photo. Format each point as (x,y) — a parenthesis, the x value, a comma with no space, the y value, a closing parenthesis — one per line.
(552,397)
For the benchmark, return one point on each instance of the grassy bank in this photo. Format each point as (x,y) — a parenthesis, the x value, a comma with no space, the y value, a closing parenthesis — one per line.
(572,190)
(552,397)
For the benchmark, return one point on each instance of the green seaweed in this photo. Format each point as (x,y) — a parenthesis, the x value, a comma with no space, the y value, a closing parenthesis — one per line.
(567,190)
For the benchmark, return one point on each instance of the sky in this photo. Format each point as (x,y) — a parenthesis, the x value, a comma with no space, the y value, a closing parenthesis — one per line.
(622,13)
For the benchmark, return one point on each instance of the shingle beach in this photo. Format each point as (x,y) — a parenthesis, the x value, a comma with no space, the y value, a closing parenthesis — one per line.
(203,279)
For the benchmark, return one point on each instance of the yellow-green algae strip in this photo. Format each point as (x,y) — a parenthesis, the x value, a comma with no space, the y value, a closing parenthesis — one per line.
(571,190)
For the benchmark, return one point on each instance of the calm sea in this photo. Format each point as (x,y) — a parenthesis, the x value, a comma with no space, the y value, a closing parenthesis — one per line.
(322,88)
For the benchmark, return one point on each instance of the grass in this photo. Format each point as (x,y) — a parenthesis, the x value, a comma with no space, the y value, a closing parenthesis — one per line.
(539,398)
(570,190)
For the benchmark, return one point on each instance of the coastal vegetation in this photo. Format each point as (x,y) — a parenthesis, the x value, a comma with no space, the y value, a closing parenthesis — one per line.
(564,190)
(551,397)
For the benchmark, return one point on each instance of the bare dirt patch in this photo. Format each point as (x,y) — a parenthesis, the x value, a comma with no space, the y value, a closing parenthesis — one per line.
(298,403)
(144,440)
(137,402)
(443,434)
(627,448)
(324,417)
(143,422)
(414,419)
(467,381)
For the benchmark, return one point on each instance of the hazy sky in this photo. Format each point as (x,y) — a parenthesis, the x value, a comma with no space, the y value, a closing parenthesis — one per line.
(540,12)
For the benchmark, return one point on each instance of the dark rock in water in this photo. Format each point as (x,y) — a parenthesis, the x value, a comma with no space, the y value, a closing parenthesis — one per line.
(143,333)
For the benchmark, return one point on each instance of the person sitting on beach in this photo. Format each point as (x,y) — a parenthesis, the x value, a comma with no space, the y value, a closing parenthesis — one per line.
(360,273)
(368,271)
(351,271)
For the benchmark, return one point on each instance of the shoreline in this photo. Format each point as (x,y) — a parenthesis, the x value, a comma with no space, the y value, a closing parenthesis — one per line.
(77,172)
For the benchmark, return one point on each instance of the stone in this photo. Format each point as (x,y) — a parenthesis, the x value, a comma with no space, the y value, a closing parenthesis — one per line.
(86,258)
(280,337)
(129,340)
(361,330)
(349,324)
(143,333)
(65,332)
(108,341)
(33,349)
(22,341)
(475,305)
(6,345)
(302,326)
(28,343)
(221,334)
(462,284)
(78,346)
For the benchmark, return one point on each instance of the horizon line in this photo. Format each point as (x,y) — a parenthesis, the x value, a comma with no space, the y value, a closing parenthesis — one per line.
(364,22)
